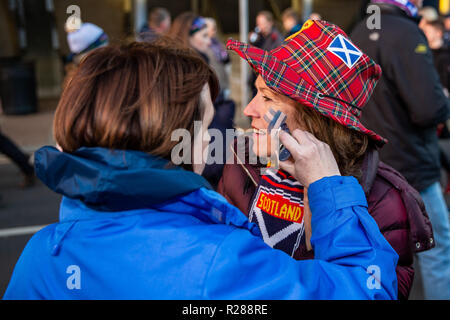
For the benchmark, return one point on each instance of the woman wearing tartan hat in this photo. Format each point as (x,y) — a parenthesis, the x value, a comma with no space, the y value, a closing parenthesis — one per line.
(321,81)
(133,225)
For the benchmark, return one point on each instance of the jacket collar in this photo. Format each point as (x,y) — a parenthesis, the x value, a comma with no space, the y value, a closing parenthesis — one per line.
(205,205)
(369,170)
(114,180)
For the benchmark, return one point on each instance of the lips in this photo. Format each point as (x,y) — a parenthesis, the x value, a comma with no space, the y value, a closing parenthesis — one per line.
(259,131)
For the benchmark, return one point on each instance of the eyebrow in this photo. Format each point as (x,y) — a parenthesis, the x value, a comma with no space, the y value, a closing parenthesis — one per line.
(266,91)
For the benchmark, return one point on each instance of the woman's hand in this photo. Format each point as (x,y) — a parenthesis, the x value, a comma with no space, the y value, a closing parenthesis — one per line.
(313,159)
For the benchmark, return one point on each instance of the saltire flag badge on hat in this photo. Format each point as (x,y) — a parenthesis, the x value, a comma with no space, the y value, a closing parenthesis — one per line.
(345,50)
(277,208)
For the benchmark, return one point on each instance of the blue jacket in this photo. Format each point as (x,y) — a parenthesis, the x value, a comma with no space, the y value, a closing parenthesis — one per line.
(133,227)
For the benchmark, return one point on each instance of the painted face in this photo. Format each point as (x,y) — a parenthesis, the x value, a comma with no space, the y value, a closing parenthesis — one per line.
(201,142)
(258,107)
(200,40)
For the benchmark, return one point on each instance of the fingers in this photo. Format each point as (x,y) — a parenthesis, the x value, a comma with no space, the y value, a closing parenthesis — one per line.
(303,137)
(290,143)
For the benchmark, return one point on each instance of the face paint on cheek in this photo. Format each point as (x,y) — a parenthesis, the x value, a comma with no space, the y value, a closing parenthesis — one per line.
(277,120)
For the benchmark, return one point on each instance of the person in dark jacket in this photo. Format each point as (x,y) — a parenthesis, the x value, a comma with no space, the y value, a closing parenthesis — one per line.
(322,109)
(406,107)
(134,225)
(265,36)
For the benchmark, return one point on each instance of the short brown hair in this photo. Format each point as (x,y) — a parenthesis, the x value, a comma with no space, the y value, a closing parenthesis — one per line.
(132,97)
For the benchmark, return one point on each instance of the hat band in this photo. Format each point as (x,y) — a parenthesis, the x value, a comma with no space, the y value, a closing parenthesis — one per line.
(359,110)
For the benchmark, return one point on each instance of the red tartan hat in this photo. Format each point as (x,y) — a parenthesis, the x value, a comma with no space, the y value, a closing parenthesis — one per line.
(320,68)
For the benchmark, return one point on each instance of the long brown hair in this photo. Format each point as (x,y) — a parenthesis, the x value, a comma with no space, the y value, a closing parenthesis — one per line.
(348,146)
(133,97)
(180,28)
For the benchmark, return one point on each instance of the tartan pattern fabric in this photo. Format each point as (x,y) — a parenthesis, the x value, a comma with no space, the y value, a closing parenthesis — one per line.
(303,69)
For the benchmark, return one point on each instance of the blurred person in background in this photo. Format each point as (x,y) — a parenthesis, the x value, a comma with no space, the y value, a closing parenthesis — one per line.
(218,57)
(12,151)
(447,29)
(82,40)
(22,160)
(291,22)
(135,226)
(406,108)
(427,14)
(434,31)
(192,31)
(265,36)
(158,24)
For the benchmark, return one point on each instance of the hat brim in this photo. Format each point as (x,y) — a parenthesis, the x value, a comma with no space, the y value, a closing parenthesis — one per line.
(277,74)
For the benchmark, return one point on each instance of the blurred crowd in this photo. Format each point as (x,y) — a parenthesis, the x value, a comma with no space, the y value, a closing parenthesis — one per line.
(410,106)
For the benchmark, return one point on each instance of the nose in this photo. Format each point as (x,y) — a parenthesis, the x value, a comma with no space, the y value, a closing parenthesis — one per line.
(251,109)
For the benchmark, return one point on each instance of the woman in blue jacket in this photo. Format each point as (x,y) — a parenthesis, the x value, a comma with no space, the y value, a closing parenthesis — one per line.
(133,225)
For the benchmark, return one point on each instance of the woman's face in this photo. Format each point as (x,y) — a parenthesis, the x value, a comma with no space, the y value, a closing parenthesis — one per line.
(264,100)
(200,40)
(201,142)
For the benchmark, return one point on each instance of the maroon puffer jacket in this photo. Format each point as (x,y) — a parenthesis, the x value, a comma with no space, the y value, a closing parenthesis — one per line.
(396,207)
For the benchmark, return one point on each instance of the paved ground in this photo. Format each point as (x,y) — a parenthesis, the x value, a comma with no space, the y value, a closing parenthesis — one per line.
(19,208)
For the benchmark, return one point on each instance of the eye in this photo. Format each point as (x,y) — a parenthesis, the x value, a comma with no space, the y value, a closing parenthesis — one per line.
(266,98)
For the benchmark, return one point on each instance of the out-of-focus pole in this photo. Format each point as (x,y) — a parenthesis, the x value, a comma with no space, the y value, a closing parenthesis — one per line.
(195,6)
(243,35)
(140,14)
(307,9)
(296,5)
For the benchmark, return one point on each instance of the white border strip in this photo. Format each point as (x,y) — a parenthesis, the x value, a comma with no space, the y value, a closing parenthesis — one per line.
(20,231)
